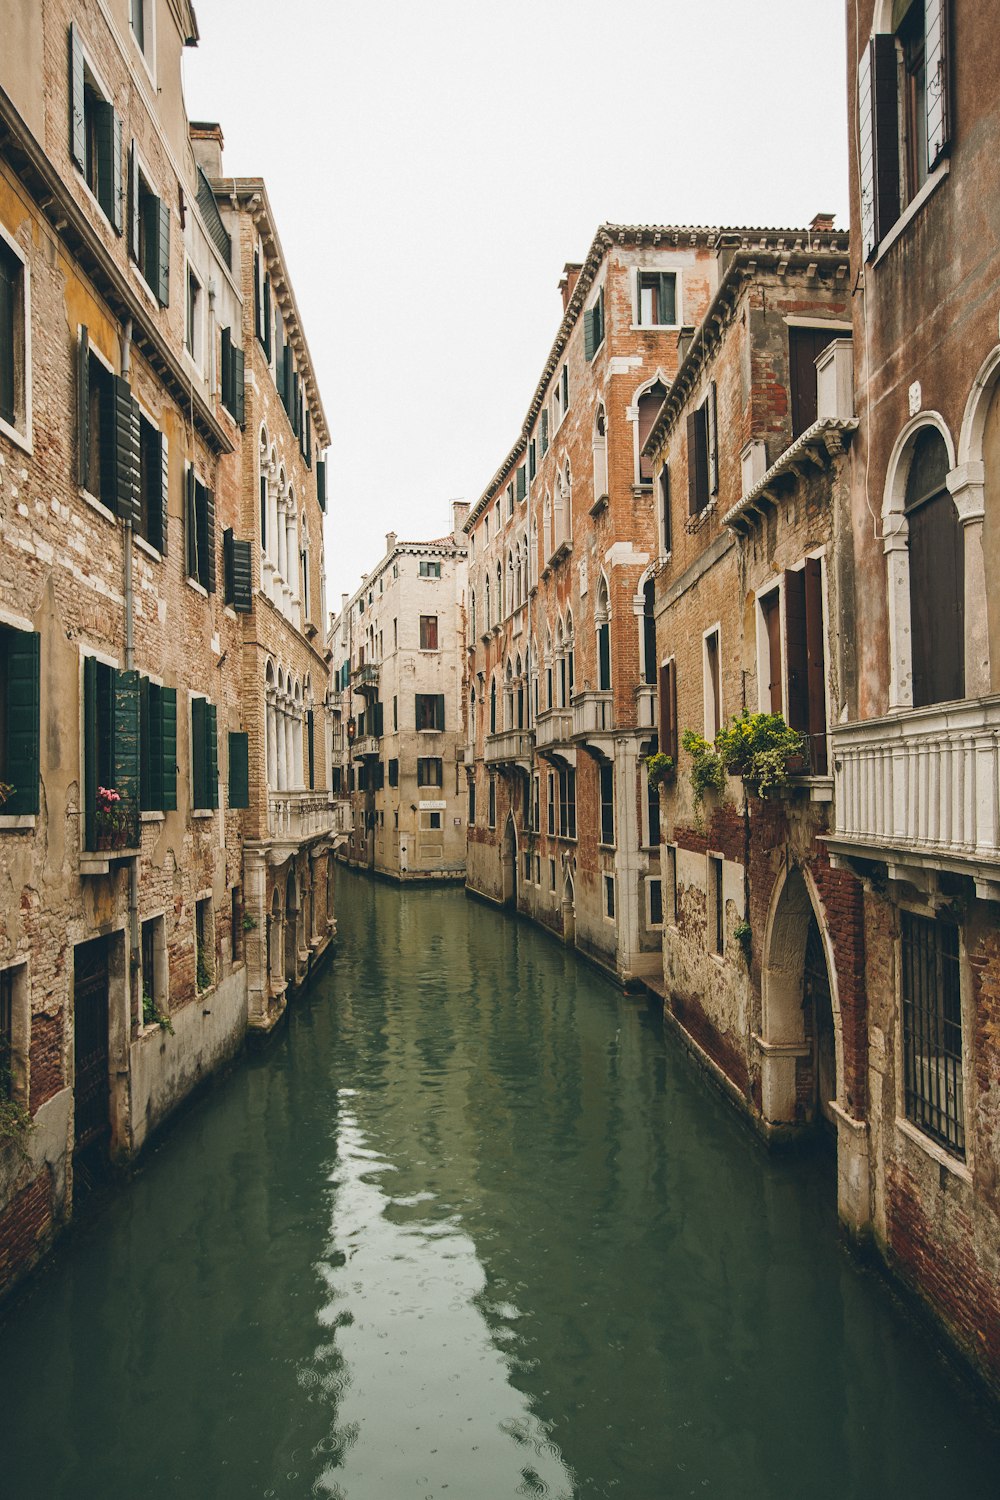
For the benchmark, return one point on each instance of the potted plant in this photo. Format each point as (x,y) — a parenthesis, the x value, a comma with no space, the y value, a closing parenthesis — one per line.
(659,768)
(707,771)
(761,749)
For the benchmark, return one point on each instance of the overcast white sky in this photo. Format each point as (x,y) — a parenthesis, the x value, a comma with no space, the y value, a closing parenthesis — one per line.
(432,164)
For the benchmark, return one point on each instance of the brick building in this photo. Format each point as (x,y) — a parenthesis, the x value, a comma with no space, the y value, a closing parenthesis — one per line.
(754,616)
(128,710)
(915,761)
(398,648)
(562,548)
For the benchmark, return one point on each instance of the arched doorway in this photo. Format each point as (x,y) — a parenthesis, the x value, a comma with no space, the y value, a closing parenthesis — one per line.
(508,862)
(291,927)
(569,909)
(274,945)
(800,1044)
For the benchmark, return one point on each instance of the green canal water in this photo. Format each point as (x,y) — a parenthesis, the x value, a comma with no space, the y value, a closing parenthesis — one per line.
(471,1227)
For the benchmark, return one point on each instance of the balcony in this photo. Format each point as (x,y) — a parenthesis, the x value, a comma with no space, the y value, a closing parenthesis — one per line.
(365,678)
(366,744)
(296,817)
(512,747)
(112,831)
(645,705)
(554,728)
(922,785)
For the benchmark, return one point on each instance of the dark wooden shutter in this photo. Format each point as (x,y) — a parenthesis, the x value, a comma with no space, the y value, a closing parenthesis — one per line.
(168,748)
(885,133)
(697,458)
(805,345)
(161,541)
(796,657)
(815,663)
(133,205)
(267,316)
(146,757)
(665,532)
(589,335)
(237,574)
(378,718)
(294,394)
(117,185)
(712,440)
(199,753)
(77,107)
(109,161)
(163,253)
(545,431)
(190,522)
(126,481)
(666,295)
(23,707)
(226,370)
(439,710)
(90,751)
(239,769)
(667,710)
(206,541)
(522,483)
(125,757)
(604,656)
(321,483)
(83,407)
(212,754)
(309,438)
(937,63)
(257,319)
(311,747)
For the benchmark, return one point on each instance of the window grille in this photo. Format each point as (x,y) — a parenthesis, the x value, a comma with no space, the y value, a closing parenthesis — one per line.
(932,1029)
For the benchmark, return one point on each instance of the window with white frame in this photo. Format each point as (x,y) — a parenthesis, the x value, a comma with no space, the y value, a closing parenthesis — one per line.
(95,132)
(193,317)
(654,902)
(669,858)
(716,906)
(15,1034)
(656,299)
(712,666)
(609,897)
(15,370)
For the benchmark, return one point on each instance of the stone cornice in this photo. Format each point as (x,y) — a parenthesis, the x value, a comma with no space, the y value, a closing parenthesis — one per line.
(815,448)
(250,194)
(827,256)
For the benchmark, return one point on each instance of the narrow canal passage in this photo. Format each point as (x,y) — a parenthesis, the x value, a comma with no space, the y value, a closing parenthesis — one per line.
(470,1228)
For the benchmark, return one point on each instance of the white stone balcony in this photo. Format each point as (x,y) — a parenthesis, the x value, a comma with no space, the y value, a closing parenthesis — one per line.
(922,785)
(593,714)
(645,705)
(366,744)
(510,747)
(294,817)
(553,727)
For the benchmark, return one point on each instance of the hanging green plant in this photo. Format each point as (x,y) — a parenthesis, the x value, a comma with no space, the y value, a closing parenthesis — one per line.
(16,1123)
(707,771)
(743,933)
(759,748)
(659,768)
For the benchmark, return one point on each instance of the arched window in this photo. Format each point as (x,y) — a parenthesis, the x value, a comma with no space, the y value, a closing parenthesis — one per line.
(602,619)
(493,705)
(570,654)
(472,618)
(500,598)
(647,406)
(264,498)
(519,696)
(486,621)
(547,528)
(304,565)
(512,599)
(649,632)
(549,700)
(508,697)
(560,665)
(937,575)
(600,447)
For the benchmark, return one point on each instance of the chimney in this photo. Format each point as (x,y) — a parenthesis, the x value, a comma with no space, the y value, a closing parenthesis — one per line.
(207,144)
(390,541)
(567,284)
(684,337)
(459,516)
(822,223)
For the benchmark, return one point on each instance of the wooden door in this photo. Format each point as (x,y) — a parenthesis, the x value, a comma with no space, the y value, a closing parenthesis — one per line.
(91,1086)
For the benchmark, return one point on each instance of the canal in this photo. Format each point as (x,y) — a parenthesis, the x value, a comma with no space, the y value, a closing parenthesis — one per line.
(472,1226)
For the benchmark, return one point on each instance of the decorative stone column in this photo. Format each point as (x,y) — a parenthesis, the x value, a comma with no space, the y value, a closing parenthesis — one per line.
(895,544)
(966,485)
(255,906)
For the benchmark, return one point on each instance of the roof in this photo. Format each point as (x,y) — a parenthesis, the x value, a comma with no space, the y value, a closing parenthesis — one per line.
(250,193)
(656,235)
(824,439)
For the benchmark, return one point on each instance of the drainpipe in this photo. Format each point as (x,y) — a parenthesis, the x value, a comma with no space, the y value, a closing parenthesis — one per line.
(133,867)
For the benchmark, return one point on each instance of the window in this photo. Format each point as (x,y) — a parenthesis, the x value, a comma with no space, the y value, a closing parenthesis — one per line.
(99,425)
(19,720)
(670,872)
(522,484)
(149,231)
(111,751)
(607,790)
(560,397)
(204,755)
(716,905)
(702,454)
(932,1029)
(769,668)
(713,685)
(667,710)
(536,824)
(204,943)
(567,802)
(237,573)
(806,658)
(648,405)
(532,463)
(236,923)
(654,903)
(430,771)
(141,21)
(153,486)
(433,820)
(239,768)
(550,788)
(153,954)
(232,378)
(492,808)
(430,569)
(95,134)
(652,815)
(609,897)
(15,1029)
(543,431)
(656,299)
(395,714)
(666,539)
(904,123)
(15,383)
(805,345)
(192,317)
(429,711)
(526,861)
(157,747)
(552,874)
(199,517)
(649,633)
(936,556)
(593,327)
(472,803)
(428,632)
(510,501)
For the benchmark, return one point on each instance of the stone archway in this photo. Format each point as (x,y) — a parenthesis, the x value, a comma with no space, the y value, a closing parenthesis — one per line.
(275,935)
(569,908)
(508,863)
(291,933)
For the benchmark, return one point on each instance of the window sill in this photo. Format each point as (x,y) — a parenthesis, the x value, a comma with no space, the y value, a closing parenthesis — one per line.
(20,439)
(14,822)
(147,547)
(199,588)
(152,815)
(934,1151)
(601,503)
(143,285)
(655,328)
(203,812)
(97,504)
(911,210)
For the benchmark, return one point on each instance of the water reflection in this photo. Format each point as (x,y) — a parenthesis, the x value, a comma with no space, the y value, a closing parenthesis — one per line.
(423,1401)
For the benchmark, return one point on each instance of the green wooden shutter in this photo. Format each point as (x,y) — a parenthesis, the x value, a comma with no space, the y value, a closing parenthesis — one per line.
(77,112)
(589,334)
(257,320)
(90,751)
(133,205)
(267,316)
(544,431)
(161,541)
(23,651)
(321,483)
(83,406)
(126,478)
(667,298)
(125,755)
(212,754)
(163,253)
(310,746)
(439,710)
(242,577)
(522,486)
(532,459)
(309,438)
(226,371)
(208,532)
(168,748)
(295,411)
(604,657)
(239,769)
(190,523)
(108,126)
(227,565)
(146,757)
(712,441)
(239,386)
(199,754)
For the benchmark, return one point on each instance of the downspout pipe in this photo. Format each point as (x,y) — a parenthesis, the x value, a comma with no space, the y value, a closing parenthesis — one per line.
(133,864)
